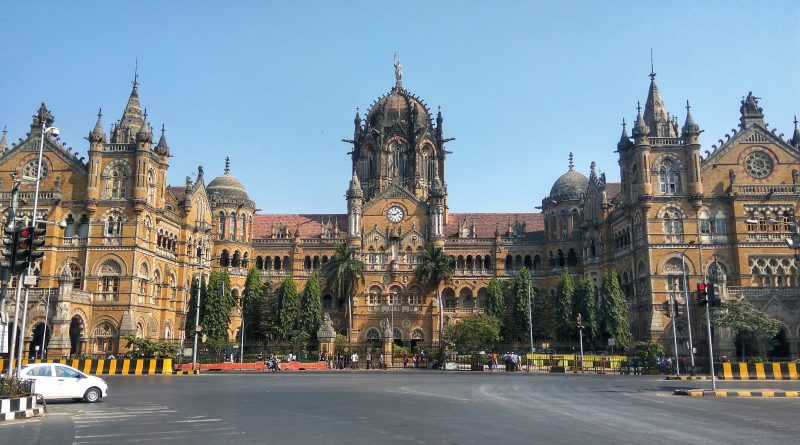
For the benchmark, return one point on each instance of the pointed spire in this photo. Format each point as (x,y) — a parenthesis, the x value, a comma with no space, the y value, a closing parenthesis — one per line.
(97,134)
(624,139)
(132,115)
(227,165)
(795,137)
(640,129)
(690,127)
(3,142)
(162,148)
(655,113)
(355,187)
(571,164)
(145,134)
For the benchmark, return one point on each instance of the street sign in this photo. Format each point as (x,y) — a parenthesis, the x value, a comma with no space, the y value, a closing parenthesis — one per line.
(612,341)
(30,280)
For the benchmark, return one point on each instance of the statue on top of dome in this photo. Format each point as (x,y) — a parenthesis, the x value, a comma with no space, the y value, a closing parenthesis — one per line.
(398,69)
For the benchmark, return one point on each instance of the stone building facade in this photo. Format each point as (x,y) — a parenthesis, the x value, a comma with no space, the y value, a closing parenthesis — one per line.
(133,243)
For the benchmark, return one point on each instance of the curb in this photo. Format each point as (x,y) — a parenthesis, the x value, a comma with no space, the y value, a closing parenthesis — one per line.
(685,377)
(722,393)
(190,372)
(18,415)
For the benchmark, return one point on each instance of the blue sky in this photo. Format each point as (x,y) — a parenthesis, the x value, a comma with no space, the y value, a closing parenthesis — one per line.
(275,85)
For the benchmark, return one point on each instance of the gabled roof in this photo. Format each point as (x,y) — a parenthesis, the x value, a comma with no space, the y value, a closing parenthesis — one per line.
(752,134)
(395,190)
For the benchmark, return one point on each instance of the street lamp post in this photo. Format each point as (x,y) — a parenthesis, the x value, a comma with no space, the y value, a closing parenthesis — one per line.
(197,312)
(530,322)
(44,131)
(686,298)
(674,332)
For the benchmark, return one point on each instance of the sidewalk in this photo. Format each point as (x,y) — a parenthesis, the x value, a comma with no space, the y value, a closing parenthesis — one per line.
(733,393)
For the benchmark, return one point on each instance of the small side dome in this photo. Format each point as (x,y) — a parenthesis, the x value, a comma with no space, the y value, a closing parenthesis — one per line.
(571,185)
(227,189)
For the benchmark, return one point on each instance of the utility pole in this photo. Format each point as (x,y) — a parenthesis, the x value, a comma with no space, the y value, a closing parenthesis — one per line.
(197,312)
(674,332)
(12,214)
(580,335)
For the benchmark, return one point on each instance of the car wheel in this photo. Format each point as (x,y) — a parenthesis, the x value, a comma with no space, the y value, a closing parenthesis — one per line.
(92,395)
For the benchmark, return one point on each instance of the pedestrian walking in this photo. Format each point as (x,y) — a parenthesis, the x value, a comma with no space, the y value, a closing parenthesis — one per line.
(369,360)
(405,361)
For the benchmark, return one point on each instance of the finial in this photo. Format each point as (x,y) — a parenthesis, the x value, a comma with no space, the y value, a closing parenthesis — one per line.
(623,124)
(162,129)
(795,124)
(6,131)
(136,74)
(652,73)
(688,107)
(227,165)
(145,115)
(571,164)
(638,107)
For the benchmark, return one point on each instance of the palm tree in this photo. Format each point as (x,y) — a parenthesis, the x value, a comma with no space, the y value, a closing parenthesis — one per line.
(342,275)
(435,268)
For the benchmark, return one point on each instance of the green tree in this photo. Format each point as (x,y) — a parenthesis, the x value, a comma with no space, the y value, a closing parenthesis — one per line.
(474,333)
(496,299)
(288,308)
(342,275)
(253,301)
(584,302)
(565,321)
(517,313)
(218,304)
(311,308)
(269,312)
(435,268)
(746,321)
(544,316)
(613,313)
(141,347)
(191,313)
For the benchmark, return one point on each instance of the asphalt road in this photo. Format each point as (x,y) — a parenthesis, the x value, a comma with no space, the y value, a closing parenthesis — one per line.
(410,407)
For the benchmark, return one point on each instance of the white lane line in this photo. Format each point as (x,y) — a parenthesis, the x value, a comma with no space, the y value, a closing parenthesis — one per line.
(96,436)
(196,420)
(146,439)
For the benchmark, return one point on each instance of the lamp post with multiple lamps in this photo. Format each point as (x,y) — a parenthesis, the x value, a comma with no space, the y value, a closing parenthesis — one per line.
(44,119)
(686,298)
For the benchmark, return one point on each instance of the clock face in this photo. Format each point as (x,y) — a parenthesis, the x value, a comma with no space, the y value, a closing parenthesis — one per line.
(395,214)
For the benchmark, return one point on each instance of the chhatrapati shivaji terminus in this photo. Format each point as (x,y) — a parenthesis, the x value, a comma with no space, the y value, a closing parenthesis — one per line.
(683,212)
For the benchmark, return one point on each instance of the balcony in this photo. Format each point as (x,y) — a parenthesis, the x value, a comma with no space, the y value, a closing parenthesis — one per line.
(473,273)
(759,293)
(74,242)
(765,189)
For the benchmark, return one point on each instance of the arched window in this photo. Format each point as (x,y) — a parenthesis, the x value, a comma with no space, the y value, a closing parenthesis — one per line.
(673,226)
(114,224)
(232,228)
(246,260)
(537,262)
(151,186)
(572,258)
(118,183)
(528,262)
(105,338)
(224,258)
(236,259)
(108,280)
(327,302)
(669,178)
(374,296)
(394,295)
(465,298)
(69,231)
(77,276)
(259,263)
(449,297)
(83,227)
(221,225)
(674,270)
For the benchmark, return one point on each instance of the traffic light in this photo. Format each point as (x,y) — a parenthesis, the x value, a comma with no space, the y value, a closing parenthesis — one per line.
(37,241)
(21,249)
(9,247)
(714,299)
(702,294)
(579,321)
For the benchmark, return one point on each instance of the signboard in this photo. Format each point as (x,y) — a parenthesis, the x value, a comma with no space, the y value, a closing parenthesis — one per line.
(3,338)
(612,341)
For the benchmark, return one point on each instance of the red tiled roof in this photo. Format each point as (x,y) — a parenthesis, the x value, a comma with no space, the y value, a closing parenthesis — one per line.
(613,189)
(310,224)
(177,192)
(485,223)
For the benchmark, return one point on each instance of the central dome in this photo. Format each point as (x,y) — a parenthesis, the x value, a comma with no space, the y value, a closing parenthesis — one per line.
(570,185)
(227,188)
(396,106)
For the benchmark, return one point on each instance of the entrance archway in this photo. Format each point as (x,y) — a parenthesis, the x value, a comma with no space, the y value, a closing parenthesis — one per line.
(41,336)
(76,340)
(780,349)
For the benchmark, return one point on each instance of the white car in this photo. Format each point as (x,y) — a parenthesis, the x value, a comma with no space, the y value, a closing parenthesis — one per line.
(57,381)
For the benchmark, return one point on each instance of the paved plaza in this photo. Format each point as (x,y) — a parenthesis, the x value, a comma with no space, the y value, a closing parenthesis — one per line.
(410,407)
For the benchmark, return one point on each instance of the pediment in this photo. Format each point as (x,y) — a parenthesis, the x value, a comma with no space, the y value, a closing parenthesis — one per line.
(55,147)
(755,134)
(395,190)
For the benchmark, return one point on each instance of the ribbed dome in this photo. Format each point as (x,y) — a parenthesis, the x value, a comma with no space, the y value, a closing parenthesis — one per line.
(226,188)
(396,106)
(571,185)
